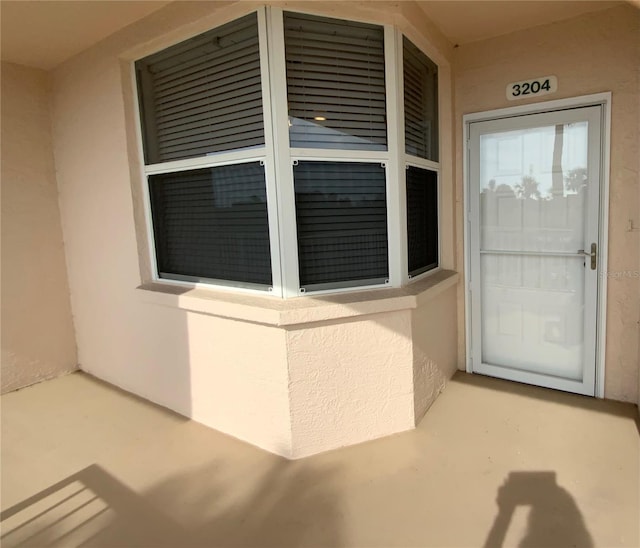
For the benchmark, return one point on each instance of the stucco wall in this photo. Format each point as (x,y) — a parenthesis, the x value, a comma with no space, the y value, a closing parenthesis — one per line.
(589,54)
(351,381)
(246,376)
(434,331)
(38,340)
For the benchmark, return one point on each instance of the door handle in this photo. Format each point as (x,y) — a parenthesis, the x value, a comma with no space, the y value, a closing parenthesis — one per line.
(593,255)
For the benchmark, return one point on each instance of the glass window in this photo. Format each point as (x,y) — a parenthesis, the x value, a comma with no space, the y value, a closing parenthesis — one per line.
(422,220)
(204,95)
(335,83)
(212,223)
(341,215)
(420,103)
(205,109)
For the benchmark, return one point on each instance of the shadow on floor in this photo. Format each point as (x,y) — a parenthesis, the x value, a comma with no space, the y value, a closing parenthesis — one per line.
(616,408)
(554,518)
(288,506)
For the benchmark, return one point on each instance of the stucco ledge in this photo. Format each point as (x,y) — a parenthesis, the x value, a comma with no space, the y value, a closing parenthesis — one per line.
(278,312)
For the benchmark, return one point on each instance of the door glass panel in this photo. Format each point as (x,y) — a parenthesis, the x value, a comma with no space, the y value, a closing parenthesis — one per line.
(533,199)
(534,188)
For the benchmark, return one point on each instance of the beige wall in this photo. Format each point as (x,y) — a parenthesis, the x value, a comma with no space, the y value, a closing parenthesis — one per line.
(37,330)
(350,381)
(589,54)
(434,331)
(294,378)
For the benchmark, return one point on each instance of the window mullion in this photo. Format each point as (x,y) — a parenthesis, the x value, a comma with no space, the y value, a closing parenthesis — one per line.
(396,171)
(282,155)
(214,160)
(423,163)
(270,153)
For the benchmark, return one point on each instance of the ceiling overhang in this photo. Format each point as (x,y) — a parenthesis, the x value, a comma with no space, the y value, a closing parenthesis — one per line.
(43,34)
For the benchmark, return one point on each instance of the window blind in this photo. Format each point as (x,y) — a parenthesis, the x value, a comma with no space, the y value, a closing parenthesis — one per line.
(335,83)
(341,215)
(422,220)
(212,223)
(203,95)
(420,103)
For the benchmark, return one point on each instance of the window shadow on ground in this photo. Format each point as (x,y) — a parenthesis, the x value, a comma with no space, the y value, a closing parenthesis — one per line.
(287,506)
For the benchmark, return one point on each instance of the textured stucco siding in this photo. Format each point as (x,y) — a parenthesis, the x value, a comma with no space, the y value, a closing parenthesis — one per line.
(38,339)
(434,331)
(350,381)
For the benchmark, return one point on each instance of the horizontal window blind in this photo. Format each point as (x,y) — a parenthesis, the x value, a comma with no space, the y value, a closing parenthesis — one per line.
(341,215)
(422,220)
(203,95)
(335,83)
(420,103)
(212,223)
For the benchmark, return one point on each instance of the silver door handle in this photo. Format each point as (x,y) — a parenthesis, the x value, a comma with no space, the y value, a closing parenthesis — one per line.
(593,255)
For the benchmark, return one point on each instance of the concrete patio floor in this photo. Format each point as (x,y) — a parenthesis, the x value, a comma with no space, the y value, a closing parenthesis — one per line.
(86,464)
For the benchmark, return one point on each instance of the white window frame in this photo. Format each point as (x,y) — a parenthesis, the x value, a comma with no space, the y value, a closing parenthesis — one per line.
(278,158)
(427,165)
(409,160)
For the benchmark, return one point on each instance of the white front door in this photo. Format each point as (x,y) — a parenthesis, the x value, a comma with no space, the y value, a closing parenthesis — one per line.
(534,209)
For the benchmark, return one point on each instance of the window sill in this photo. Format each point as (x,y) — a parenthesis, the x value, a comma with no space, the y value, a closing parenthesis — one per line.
(301,310)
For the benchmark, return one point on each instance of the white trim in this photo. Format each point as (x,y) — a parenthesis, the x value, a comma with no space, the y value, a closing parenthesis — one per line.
(422,163)
(324,156)
(322,12)
(535,108)
(396,193)
(466,220)
(283,168)
(155,274)
(350,289)
(215,287)
(604,100)
(423,275)
(270,161)
(219,159)
(603,244)
(594,210)
(473,287)
(338,155)
(536,379)
(143,180)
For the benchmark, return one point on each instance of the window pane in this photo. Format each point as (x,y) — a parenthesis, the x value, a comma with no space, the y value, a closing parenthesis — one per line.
(341,213)
(335,83)
(422,219)
(212,223)
(204,95)
(420,103)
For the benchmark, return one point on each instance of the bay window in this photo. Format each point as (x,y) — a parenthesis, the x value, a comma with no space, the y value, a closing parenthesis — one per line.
(211,224)
(341,214)
(420,78)
(335,83)
(268,159)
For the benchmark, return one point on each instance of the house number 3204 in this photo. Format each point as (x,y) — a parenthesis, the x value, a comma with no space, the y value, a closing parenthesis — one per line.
(530,88)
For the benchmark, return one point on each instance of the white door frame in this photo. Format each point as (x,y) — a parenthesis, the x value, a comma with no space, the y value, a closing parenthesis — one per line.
(603,99)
